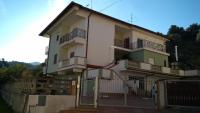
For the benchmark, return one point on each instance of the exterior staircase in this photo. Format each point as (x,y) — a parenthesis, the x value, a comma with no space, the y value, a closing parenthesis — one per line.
(116,70)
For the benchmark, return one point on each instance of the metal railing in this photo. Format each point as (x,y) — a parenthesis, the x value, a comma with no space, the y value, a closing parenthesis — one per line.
(149,44)
(143,44)
(77,32)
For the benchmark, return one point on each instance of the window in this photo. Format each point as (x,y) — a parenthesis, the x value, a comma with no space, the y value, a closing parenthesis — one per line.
(57,38)
(71,54)
(41,100)
(55,59)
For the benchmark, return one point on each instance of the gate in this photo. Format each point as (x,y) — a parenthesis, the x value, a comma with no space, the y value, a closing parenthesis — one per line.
(183,93)
(87,91)
(108,88)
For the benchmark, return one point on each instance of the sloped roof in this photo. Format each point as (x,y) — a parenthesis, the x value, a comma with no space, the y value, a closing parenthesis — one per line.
(72,4)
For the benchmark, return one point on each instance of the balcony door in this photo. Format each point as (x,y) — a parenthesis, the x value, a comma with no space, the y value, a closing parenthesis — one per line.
(140,43)
(127,43)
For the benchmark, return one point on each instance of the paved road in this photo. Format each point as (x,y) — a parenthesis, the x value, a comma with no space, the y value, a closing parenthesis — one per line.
(181,111)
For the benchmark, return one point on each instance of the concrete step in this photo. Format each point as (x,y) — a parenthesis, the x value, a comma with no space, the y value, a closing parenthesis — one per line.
(108,109)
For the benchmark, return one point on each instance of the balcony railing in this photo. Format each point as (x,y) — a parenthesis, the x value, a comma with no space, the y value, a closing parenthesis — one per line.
(153,68)
(140,44)
(149,44)
(74,61)
(77,32)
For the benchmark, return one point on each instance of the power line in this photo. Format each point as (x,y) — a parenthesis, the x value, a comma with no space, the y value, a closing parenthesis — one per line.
(110,5)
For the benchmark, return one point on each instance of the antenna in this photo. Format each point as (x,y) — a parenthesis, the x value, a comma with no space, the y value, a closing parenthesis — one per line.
(131,18)
(91,4)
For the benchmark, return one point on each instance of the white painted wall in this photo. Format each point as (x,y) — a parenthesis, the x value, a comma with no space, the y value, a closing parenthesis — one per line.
(101,37)
(65,53)
(54,103)
(53,49)
(82,24)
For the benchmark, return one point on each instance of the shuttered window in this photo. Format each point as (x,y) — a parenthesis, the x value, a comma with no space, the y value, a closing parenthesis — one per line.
(55,59)
(41,100)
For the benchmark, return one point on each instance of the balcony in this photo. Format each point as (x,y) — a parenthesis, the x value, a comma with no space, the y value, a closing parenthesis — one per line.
(148,44)
(76,36)
(134,65)
(73,63)
(139,44)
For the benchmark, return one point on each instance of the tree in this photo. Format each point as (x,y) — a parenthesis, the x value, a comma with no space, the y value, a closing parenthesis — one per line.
(191,32)
(188,45)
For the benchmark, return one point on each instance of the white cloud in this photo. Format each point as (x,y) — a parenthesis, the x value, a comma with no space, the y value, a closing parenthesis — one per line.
(28,46)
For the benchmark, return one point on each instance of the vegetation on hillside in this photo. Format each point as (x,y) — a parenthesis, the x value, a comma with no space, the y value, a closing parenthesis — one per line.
(15,70)
(4,107)
(188,42)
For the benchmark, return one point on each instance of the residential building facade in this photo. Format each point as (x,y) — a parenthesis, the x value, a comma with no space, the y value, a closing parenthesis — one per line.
(85,44)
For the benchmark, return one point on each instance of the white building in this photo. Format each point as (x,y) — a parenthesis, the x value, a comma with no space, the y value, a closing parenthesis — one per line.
(85,44)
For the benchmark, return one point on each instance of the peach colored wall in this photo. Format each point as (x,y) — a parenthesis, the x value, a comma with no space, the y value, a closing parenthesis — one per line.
(140,35)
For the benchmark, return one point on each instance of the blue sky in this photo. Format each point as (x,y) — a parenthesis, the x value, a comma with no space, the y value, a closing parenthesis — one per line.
(22,20)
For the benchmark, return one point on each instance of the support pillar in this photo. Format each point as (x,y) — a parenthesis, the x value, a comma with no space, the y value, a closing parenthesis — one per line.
(96,88)
(125,94)
(78,91)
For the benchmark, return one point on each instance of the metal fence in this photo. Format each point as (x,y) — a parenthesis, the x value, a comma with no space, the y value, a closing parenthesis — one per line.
(183,93)
(115,91)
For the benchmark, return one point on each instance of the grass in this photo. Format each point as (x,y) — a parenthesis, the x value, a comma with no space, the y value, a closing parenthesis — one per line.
(4,107)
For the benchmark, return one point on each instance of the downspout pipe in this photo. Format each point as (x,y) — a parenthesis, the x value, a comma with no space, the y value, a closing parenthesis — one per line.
(88,27)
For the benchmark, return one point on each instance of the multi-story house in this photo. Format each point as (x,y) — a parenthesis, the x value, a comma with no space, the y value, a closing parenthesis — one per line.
(85,44)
